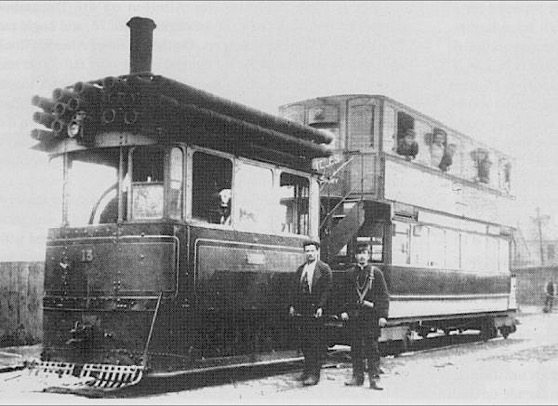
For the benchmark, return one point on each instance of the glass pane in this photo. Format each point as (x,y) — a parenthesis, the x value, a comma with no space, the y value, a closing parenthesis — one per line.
(400,243)
(361,127)
(147,201)
(256,202)
(211,188)
(452,249)
(467,251)
(148,164)
(293,207)
(92,186)
(504,254)
(389,132)
(420,246)
(176,183)
(492,254)
(436,243)
(147,182)
(481,262)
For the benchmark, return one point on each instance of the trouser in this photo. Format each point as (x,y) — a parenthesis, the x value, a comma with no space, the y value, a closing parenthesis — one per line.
(311,341)
(364,345)
(549,302)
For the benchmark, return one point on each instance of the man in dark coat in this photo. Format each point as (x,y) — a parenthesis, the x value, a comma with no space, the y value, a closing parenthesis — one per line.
(365,309)
(550,292)
(407,146)
(310,291)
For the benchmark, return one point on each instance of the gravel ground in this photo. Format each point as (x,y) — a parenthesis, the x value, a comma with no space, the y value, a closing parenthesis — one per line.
(519,370)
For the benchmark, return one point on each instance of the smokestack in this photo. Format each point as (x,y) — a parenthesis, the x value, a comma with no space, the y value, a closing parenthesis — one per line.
(141,44)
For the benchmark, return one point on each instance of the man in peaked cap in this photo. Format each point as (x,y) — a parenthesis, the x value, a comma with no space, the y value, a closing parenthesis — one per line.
(365,309)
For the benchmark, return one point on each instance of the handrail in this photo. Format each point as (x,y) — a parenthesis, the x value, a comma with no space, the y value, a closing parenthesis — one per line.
(343,200)
(328,216)
(145,351)
(338,169)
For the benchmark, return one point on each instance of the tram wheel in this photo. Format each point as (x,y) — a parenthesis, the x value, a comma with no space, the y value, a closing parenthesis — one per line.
(488,330)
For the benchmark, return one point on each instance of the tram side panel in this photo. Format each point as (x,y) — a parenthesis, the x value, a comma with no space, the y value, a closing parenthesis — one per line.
(242,289)
(102,293)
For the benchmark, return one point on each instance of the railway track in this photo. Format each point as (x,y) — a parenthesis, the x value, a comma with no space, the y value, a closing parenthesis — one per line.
(337,357)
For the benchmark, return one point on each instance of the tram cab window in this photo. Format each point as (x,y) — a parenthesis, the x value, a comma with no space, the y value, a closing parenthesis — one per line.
(147,182)
(255,200)
(212,188)
(92,181)
(293,210)
(176,183)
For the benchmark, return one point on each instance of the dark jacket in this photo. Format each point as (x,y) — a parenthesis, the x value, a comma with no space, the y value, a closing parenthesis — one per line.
(407,150)
(446,162)
(550,289)
(377,294)
(322,281)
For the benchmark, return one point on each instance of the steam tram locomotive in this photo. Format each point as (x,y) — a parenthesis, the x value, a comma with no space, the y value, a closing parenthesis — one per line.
(183,217)
(434,204)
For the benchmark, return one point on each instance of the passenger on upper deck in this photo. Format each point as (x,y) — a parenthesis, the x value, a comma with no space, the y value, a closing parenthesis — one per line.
(483,166)
(447,158)
(407,146)
(437,147)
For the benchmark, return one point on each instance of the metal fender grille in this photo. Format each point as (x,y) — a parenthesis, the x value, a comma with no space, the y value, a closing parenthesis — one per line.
(74,377)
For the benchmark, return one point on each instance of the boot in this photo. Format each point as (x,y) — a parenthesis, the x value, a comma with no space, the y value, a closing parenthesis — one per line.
(311,380)
(358,373)
(375,381)
(355,381)
(302,377)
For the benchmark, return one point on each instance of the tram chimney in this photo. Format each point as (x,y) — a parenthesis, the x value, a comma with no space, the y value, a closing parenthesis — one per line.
(141,44)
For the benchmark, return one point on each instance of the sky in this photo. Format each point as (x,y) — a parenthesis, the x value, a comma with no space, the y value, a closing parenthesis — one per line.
(486,69)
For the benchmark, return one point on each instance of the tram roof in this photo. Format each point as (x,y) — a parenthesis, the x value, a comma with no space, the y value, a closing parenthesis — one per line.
(171,111)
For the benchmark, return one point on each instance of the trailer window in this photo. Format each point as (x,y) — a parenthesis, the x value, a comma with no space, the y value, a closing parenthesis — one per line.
(400,244)
(504,256)
(453,252)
